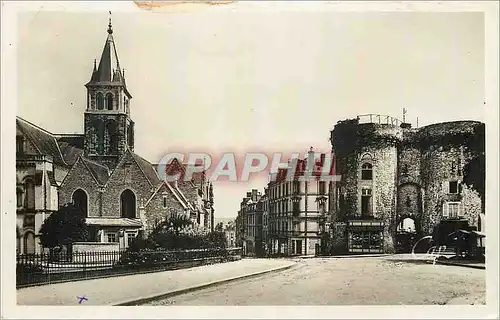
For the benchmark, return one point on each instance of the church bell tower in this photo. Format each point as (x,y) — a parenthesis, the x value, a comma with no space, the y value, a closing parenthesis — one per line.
(108,128)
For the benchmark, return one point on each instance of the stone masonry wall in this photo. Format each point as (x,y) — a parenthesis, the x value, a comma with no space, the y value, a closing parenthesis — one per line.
(127,175)
(415,175)
(384,191)
(155,212)
(80,178)
(439,164)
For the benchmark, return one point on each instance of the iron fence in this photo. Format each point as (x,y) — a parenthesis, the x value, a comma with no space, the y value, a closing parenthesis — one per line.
(47,268)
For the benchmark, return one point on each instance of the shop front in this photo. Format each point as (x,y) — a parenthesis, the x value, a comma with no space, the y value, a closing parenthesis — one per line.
(365,236)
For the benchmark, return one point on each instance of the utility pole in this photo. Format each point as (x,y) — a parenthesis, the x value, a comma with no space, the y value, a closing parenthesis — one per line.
(417,122)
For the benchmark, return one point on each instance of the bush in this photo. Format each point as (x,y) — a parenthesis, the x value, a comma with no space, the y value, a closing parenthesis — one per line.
(28,268)
(64,227)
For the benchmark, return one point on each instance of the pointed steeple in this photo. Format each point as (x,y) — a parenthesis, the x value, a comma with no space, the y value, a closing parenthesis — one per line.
(109,62)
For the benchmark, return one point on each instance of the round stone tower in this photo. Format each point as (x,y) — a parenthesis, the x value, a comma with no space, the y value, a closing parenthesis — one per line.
(364,206)
(452,173)
(399,184)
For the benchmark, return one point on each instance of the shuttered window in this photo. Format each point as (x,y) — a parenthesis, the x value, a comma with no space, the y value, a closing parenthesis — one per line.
(445,210)
(452,210)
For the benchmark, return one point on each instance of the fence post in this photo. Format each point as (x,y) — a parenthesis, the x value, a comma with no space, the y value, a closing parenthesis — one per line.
(85,264)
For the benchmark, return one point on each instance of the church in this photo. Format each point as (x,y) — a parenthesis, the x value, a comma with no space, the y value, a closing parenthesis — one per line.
(119,191)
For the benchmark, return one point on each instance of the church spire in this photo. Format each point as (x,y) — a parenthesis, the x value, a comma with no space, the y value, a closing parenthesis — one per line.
(109,69)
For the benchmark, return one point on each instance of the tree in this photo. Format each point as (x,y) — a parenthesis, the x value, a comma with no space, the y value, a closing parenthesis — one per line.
(64,227)
(215,239)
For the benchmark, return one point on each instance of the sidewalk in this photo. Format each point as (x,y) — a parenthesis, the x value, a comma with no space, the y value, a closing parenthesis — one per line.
(475,265)
(126,289)
(422,257)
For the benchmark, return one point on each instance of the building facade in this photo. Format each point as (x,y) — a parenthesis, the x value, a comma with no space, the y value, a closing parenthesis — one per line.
(119,192)
(250,223)
(400,183)
(230,233)
(298,209)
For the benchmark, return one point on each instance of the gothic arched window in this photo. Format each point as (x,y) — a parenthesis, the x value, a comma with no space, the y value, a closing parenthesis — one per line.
(97,136)
(128,204)
(79,199)
(100,101)
(111,138)
(366,171)
(109,101)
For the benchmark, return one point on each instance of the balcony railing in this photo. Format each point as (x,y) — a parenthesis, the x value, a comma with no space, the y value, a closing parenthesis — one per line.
(378,118)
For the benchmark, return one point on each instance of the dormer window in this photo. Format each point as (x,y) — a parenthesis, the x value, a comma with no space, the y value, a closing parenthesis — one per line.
(366,171)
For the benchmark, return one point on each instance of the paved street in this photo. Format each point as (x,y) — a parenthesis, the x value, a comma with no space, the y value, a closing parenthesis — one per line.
(115,290)
(348,281)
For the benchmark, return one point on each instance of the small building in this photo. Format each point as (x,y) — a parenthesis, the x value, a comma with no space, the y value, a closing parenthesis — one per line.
(230,232)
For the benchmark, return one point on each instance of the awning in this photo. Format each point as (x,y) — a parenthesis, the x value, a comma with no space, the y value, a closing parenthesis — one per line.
(114,222)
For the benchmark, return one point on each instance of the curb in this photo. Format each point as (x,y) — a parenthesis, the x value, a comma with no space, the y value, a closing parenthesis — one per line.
(356,256)
(199,287)
(446,263)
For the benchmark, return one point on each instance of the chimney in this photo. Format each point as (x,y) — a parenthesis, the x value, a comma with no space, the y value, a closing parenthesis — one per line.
(310,160)
(322,161)
(254,194)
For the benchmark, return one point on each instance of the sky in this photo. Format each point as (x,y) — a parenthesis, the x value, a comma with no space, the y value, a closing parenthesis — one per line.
(247,78)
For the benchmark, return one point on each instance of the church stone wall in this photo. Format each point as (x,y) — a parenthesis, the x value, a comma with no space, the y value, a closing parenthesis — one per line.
(155,212)
(80,178)
(127,175)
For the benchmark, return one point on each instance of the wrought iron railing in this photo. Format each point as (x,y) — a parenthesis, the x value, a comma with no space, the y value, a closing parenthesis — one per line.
(38,269)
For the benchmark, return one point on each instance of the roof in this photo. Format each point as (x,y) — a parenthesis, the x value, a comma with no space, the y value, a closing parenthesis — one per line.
(301,169)
(147,168)
(99,171)
(45,143)
(176,195)
(71,146)
(114,222)
(175,167)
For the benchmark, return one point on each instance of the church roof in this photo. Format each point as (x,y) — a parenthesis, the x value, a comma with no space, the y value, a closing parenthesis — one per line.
(175,167)
(147,168)
(99,171)
(45,143)
(71,146)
